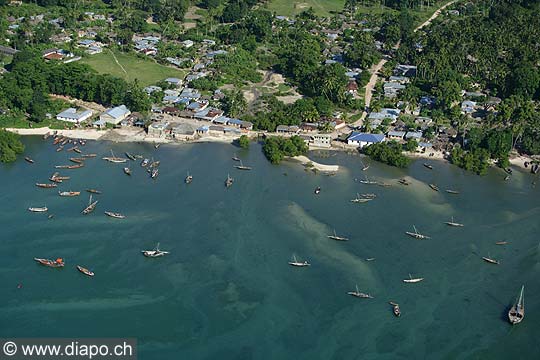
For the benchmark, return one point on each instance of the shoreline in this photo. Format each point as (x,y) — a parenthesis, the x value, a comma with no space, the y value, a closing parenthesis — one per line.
(131,135)
(306,162)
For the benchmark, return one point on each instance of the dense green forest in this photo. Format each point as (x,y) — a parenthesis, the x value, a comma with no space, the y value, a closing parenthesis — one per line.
(389,152)
(276,148)
(10,146)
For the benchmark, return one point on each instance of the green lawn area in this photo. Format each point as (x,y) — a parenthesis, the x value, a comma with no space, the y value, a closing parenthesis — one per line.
(145,70)
(320,7)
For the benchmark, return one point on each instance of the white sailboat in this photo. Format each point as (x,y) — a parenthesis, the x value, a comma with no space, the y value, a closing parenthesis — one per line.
(453,223)
(517,311)
(411,280)
(154,253)
(337,238)
(359,294)
(297,263)
(416,234)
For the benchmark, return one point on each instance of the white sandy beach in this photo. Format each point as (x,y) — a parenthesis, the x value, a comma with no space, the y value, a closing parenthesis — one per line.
(321,167)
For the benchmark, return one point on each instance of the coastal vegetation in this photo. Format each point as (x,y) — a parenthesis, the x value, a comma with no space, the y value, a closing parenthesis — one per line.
(276,148)
(10,146)
(243,142)
(389,152)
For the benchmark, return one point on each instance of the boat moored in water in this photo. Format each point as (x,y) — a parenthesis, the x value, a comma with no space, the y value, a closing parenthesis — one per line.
(453,223)
(154,173)
(69,193)
(337,238)
(410,280)
(434,187)
(130,156)
(188,179)
(229,181)
(127,171)
(359,294)
(488,259)
(28,159)
(297,263)
(90,207)
(453,192)
(145,162)
(517,311)
(154,253)
(416,234)
(114,159)
(85,271)
(115,215)
(317,190)
(430,167)
(395,309)
(93,191)
(46,186)
(51,263)
(38,209)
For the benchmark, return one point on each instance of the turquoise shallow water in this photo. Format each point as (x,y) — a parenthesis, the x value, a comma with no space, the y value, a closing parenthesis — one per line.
(226,290)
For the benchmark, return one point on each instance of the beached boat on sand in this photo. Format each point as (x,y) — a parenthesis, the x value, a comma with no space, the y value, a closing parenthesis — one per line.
(85,271)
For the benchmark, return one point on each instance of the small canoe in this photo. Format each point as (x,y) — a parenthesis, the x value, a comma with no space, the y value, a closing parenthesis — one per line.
(85,271)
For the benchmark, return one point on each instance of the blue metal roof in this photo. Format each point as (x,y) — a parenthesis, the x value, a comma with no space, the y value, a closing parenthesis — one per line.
(365,137)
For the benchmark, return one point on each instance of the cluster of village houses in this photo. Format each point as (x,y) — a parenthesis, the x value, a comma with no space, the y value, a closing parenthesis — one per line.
(198,119)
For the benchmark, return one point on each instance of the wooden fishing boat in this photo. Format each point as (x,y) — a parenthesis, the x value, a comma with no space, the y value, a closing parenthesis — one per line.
(383,184)
(57,140)
(395,309)
(157,146)
(127,171)
(56,180)
(242,166)
(61,166)
(46,136)
(154,164)
(188,178)
(359,294)
(51,263)
(450,191)
(317,190)
(236,158)
(430,167)
(46,186)
(229,181)
(368,196)
(297,263)
(114,159)
(64,142)
(71,148)
(490,260)
(38,209)
(154,253)
(93,191)
(366,181)
(370,259)
(404,182)
(434,187)
(410,280)
(360,199)
(453,223)
(85,271)
(60,148)
(69,193)
(501,243)
(145,162)
(131,157)
(115,215)
(154,173)
(76,160)
(90,207)
(507,177)
(78,166)
(77,150)
(28,159)
(517,311)
(416,234)
(337,238)
(89,155)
